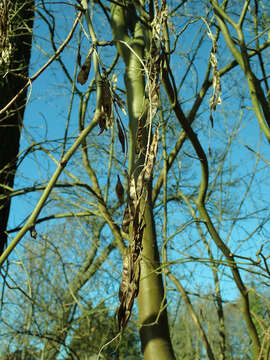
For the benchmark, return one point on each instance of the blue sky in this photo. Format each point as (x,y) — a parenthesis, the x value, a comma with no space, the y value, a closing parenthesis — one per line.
(46,112)
(45,119)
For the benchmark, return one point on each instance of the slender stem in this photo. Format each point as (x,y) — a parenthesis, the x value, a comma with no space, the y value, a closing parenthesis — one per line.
(243,14)
(44,67)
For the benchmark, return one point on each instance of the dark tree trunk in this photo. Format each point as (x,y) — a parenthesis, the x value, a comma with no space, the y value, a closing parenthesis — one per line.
(15,48)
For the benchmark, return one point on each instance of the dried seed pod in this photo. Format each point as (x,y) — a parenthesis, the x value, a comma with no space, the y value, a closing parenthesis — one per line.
(133,194)
(151,158)
(127,217)
(120,103)
(119,189)
(140,144)
(102,122)
(33,232)
(129,288)
(125,278)
(106,100)
(216,96)
(154,100)
(85,68)
(134,221)
(121,137)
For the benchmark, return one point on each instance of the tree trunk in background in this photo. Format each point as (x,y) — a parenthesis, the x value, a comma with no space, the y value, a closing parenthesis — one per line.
(16,23)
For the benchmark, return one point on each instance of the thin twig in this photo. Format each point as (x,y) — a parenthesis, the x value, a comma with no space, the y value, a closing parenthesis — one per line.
(44,67)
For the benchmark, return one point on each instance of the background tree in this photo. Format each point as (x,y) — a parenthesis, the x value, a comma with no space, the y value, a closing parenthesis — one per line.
(16,19)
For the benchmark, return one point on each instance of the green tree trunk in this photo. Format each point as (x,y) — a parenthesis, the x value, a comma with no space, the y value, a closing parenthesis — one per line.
(16,19)
(154,330)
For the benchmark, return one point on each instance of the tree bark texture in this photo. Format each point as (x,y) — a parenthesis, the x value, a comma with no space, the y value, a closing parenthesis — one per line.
(16,24)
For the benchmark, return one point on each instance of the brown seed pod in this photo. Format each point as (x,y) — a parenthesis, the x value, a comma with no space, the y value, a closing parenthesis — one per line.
(119,189)
(85,68)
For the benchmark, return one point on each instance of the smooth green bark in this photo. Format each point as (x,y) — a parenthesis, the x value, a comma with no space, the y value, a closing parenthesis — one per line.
(154,330)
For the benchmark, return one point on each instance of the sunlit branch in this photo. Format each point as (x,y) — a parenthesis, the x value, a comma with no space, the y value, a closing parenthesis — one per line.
(31,221)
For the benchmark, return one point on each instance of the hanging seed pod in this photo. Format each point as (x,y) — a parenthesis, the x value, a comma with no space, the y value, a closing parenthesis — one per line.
(121,137)
(106,100)
(102,122)
(151,158)
(127,217)
(216,96)
(85,68)
(129,288)
(140,144)
(119,189)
